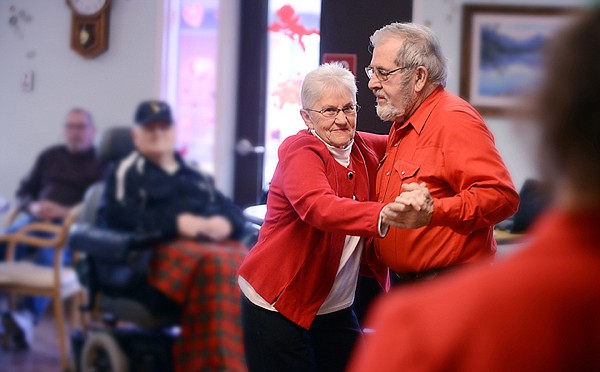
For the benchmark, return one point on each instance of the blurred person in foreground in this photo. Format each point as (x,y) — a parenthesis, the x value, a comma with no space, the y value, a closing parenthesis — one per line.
(56,183)
(537,310)
(438,146)
(299,280)
(155,190)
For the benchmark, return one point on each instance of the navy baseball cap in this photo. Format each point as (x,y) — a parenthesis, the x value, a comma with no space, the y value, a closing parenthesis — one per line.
(152,111)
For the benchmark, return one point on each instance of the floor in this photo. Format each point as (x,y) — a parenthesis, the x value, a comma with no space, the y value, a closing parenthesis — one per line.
(43,355)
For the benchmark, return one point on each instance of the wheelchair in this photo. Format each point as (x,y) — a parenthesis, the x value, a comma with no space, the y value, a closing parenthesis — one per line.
(133,326)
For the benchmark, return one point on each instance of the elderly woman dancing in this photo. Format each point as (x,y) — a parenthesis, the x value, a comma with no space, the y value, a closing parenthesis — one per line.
(299,280)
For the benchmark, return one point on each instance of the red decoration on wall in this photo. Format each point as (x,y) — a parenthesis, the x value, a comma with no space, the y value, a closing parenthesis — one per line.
(287,92)
(193,14)
(347,60)
(290,25)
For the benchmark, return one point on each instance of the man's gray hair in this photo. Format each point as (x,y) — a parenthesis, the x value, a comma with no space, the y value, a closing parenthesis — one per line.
(420,47)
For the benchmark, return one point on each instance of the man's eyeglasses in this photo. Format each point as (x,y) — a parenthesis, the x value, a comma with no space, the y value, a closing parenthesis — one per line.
(381,74)
(332,112)
(76,126)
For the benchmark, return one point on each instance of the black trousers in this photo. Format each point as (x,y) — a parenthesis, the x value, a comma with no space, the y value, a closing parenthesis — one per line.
(274,343)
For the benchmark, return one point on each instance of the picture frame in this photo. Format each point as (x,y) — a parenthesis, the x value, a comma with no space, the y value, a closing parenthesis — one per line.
(502,52)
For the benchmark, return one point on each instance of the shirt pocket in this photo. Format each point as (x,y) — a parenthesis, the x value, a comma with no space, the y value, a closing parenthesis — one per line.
(406,170)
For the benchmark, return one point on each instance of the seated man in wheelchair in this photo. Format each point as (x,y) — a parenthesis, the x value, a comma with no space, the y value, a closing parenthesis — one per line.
(195,261)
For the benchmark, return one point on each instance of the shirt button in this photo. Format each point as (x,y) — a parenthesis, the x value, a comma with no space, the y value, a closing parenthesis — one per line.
(403,173)
(396,144)
(387,174)
(380,200)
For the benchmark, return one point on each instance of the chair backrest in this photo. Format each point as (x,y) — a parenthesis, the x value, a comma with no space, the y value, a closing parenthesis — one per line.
(115,143)
(53,235)
(91,203)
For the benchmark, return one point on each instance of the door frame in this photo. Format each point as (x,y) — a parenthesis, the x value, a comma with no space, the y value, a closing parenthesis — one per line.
(250,123)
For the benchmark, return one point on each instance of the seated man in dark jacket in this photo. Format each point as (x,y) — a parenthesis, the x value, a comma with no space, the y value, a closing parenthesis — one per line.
(154,190)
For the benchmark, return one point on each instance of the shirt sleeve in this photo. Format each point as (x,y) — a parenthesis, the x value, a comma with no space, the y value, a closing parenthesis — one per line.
(31,186)
(474,169)
(306,186)
(225,207)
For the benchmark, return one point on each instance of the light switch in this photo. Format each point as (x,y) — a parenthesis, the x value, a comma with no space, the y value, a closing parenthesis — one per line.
(27,81)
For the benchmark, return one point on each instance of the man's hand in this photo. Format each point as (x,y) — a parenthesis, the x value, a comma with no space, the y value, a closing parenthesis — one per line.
(47,210)
(411,209)
(187,225)
(216,228)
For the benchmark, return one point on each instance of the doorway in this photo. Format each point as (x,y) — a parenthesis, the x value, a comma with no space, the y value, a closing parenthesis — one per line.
(280,41)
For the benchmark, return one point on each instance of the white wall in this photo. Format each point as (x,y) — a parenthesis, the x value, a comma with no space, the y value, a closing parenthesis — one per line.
(444,17)
(110,85)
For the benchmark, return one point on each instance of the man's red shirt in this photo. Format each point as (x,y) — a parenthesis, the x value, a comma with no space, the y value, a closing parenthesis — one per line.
(446,145)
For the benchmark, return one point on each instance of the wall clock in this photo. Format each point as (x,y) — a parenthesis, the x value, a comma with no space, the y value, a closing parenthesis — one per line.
(89,26)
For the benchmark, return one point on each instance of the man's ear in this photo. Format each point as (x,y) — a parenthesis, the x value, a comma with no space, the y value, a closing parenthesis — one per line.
(135,134)
(421,77)
(306,117)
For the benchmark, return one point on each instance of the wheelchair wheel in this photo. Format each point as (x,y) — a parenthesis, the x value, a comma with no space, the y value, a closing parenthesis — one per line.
(101,353)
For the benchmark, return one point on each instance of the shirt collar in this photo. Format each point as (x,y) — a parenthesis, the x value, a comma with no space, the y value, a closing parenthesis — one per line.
(418,119)
(342,156)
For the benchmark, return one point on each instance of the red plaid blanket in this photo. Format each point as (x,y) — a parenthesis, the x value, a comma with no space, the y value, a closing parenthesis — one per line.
(202,277)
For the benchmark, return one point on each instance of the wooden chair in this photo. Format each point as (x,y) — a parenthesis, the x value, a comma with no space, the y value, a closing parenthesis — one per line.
(57,282)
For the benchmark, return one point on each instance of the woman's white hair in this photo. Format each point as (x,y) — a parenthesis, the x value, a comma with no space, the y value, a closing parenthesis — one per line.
(328,77)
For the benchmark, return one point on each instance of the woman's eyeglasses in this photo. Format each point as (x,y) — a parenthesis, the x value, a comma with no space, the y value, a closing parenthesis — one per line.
(332,112)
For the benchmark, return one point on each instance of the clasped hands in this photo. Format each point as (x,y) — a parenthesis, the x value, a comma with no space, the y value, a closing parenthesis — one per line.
(413,208)
(215,228)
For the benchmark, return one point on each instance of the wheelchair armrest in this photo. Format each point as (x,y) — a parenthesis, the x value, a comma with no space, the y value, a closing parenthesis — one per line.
(109,244)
